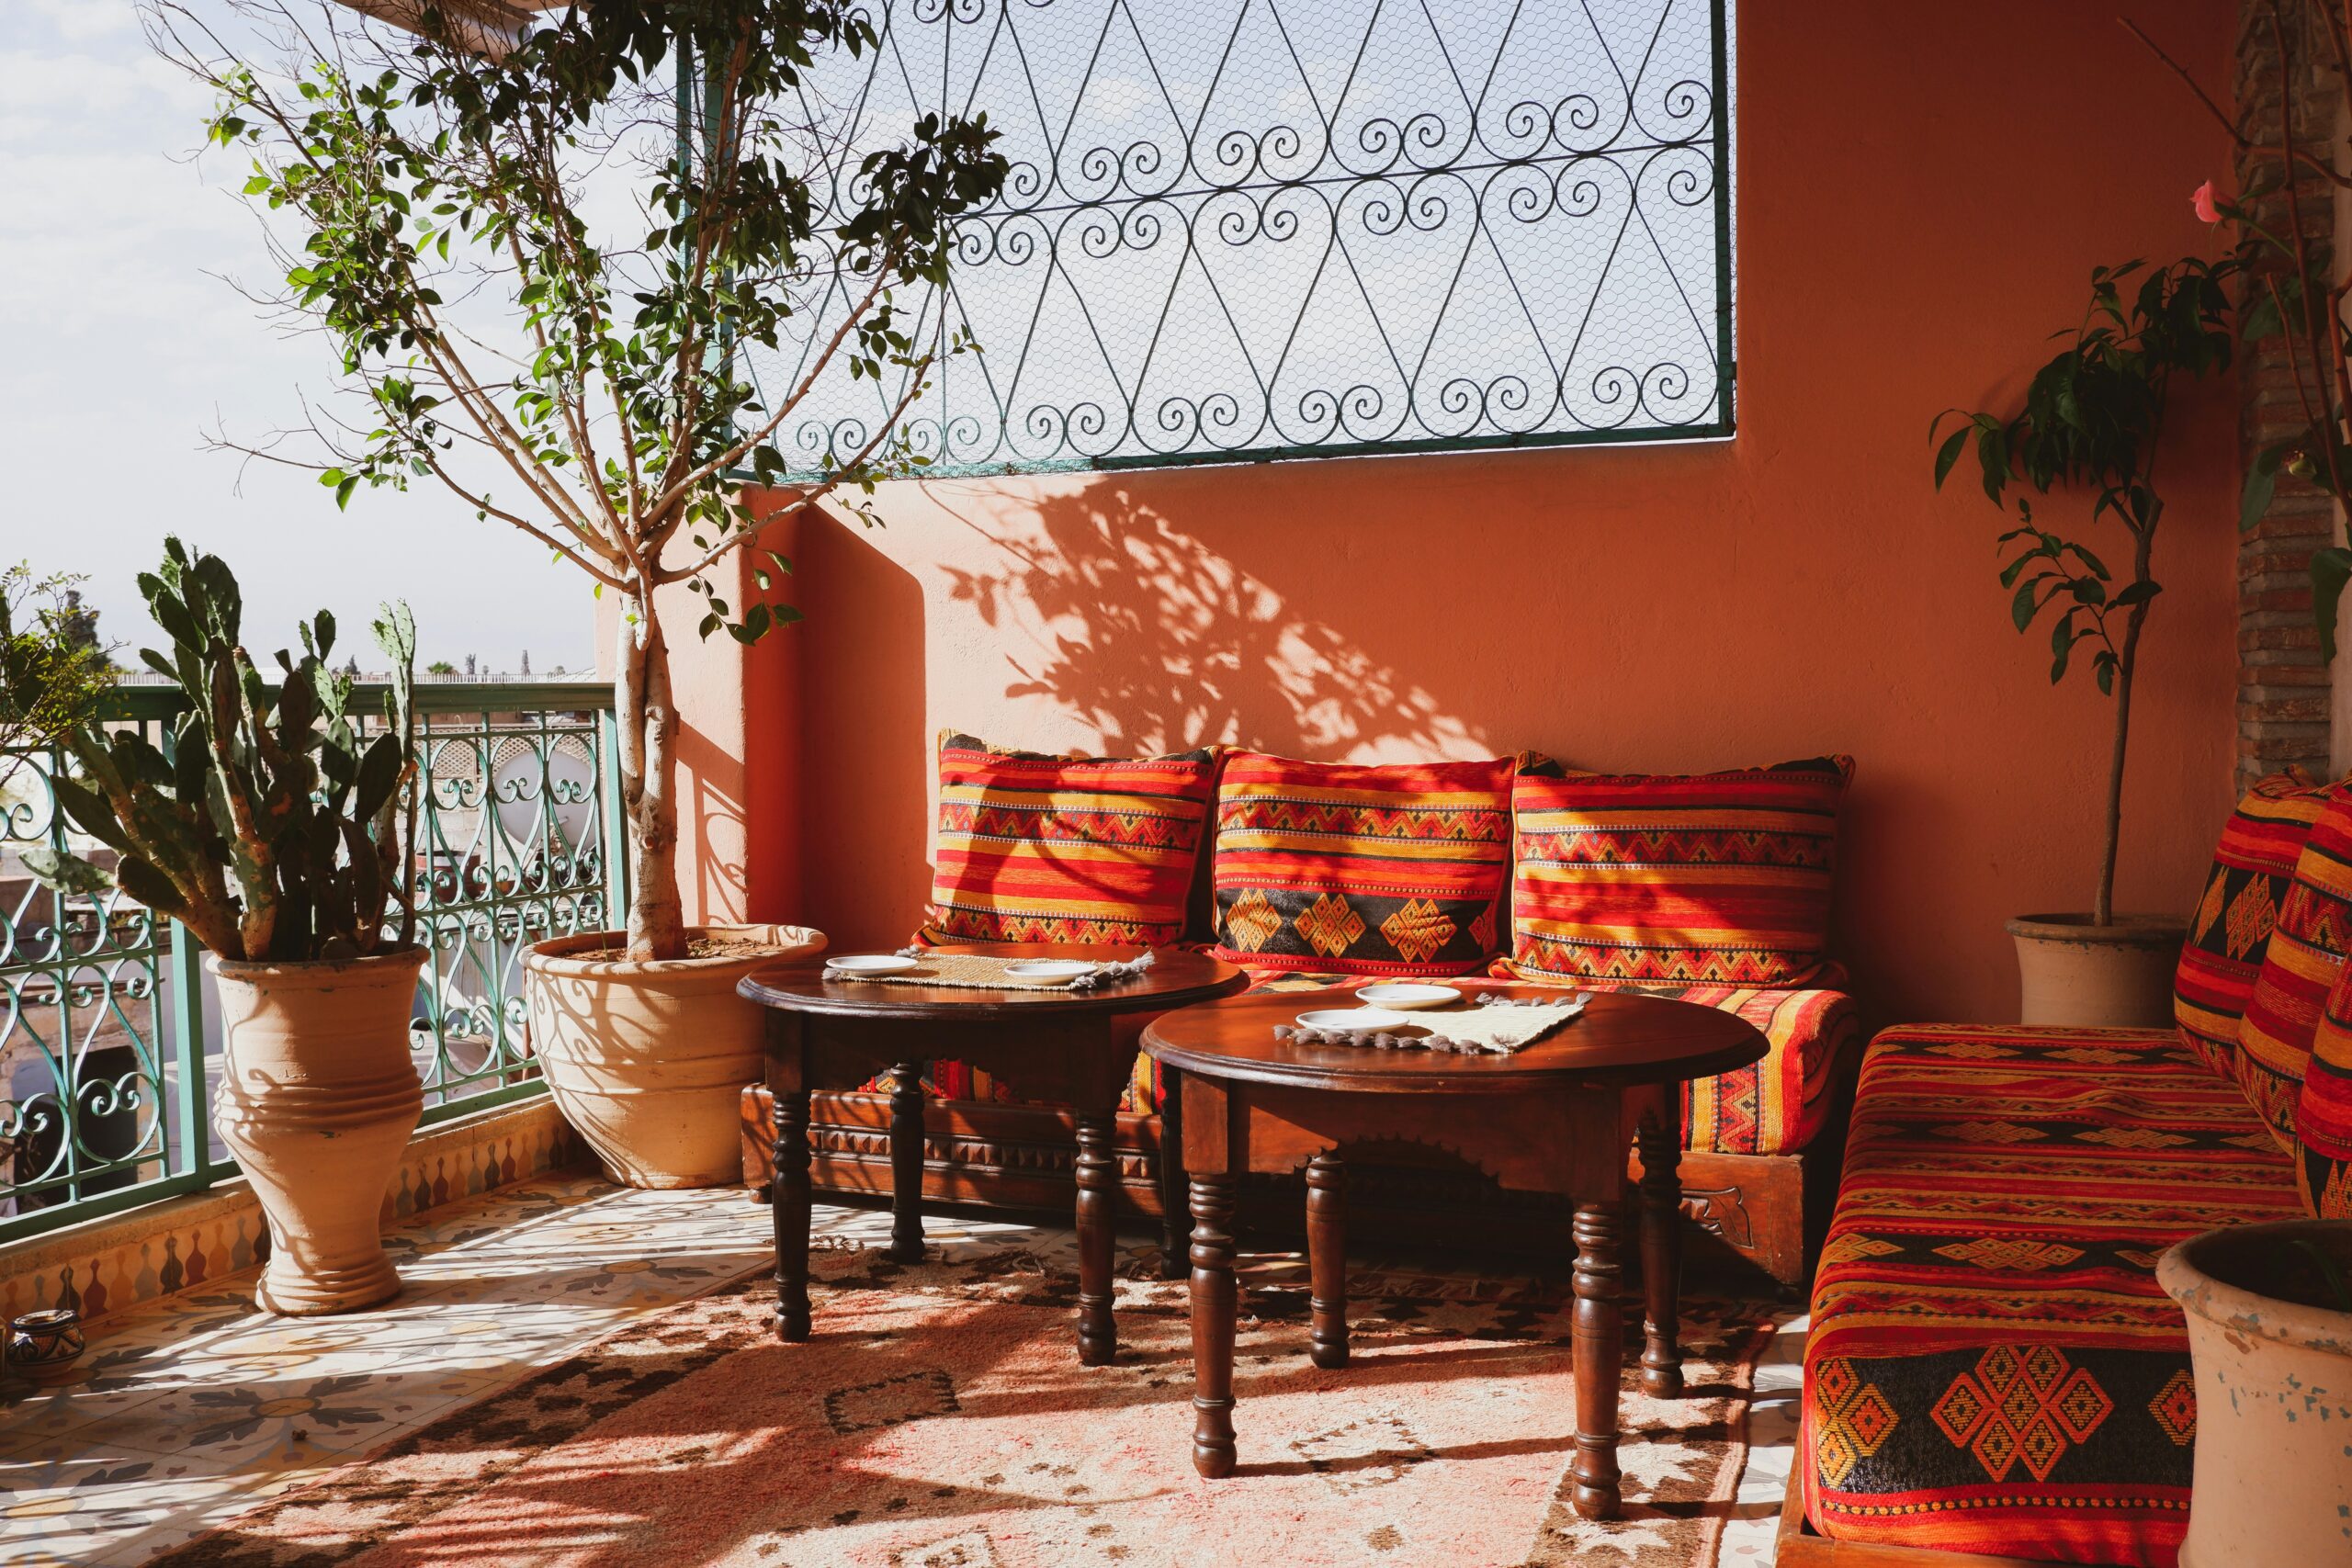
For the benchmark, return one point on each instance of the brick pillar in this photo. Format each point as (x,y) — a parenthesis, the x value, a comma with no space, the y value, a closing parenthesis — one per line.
(2284,690)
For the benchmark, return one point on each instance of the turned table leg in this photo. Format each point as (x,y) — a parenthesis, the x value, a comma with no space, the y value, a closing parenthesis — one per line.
(1661,1259)
(906,1163)
(1599,1346)
(1098,1339)
(1326,1261)
(790,1205)
(1175,1205)
(1213,1310)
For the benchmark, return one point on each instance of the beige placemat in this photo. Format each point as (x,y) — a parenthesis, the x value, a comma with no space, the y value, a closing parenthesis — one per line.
(981,972)
(1496,1027)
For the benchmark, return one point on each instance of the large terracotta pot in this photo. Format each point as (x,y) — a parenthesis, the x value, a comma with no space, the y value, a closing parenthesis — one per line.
(316,1100)
(2077,975)
(2272,1484)
(647,1061)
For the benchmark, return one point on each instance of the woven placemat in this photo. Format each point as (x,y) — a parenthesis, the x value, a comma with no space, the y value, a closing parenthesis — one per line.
(1496,1026)
(981,972)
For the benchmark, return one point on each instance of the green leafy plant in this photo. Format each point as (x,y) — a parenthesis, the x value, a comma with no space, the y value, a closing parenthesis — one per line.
(53,670)
(2092,417)
(269,826)
(540,255)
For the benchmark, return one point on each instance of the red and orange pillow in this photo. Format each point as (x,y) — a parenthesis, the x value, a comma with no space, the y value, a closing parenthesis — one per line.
(2229,933)
(1676,879)
(1065,848)
(1359,868)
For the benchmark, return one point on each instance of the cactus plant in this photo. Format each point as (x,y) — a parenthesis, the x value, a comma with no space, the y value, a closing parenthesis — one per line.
(269,826)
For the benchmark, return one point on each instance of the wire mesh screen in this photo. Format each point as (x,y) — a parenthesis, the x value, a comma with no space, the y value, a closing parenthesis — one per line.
(1247,229)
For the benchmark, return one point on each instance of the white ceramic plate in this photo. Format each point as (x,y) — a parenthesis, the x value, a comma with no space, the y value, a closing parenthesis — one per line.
(1049,968)
(1349,1019)
(1408,994)
(871,964)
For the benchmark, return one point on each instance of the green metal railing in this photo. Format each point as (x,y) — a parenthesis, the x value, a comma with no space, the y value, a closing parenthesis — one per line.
(108,1031)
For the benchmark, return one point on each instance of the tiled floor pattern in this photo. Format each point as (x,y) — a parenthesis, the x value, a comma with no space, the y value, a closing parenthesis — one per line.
(191,1410)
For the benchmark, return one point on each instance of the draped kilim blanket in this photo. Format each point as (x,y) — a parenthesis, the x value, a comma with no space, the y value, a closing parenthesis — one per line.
(2298,968)
(940,1416)
(1992,1366)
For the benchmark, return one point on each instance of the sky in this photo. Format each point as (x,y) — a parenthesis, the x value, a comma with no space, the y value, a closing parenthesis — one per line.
(125,345)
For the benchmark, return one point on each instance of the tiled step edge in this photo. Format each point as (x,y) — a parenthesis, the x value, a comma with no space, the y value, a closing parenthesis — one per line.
(117,1260)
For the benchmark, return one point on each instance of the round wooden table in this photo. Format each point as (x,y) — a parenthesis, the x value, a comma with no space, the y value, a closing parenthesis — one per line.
(825,1032)
(1556,1117)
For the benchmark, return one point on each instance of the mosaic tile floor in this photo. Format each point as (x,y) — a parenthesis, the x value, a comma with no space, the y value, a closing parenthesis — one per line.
(193,1409)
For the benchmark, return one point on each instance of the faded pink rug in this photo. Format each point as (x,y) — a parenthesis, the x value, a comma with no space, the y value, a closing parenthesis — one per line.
(939,1419)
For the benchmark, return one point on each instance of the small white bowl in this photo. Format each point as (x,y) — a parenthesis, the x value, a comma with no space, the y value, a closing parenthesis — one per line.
(1049,968)
(871,964)
(1348,1020)
(1408,995)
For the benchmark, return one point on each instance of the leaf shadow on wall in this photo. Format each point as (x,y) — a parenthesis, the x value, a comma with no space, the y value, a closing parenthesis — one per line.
(1159,642)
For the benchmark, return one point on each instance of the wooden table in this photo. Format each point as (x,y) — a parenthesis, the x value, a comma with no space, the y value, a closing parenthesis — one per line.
(1556,1117)
(829,1034)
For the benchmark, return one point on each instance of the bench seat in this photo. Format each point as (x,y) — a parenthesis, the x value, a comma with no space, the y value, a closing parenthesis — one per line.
(1992,1367)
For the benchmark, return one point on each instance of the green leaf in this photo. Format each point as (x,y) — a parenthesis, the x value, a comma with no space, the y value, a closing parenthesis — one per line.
(2061,646)
(2138,593)
(2261,483)
(1949,454)
(2025,604)
(68,874)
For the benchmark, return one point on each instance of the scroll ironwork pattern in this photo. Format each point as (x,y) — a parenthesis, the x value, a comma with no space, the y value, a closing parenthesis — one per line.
(1279,228)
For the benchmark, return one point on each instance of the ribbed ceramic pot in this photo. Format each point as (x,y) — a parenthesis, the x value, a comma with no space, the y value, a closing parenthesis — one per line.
(317,1100)
(2273,1480)
(2077,975)
(647,1061)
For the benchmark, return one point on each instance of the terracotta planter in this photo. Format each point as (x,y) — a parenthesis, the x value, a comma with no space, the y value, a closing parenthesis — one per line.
(647,1060)
(317,1098)
(2273,1485)
(2077,975)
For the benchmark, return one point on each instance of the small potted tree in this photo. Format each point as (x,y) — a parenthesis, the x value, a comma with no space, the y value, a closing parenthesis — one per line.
(2092,421)
(444,200)
(273,830)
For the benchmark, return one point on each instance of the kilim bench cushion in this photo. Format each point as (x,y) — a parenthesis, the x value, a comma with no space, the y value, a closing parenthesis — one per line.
(1992,1367)
(1061,848)
(1360,870)
(1676,879)
(2324,1111)
(2229,933)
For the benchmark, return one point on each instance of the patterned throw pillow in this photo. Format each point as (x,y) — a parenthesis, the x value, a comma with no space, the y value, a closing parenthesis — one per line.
(2300,965)
(2230,932)
(1705,878)
(2323,1111)
(1360,870)
(1057,849)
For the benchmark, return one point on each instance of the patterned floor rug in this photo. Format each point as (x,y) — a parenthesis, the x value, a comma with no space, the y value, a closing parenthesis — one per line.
(939,1419)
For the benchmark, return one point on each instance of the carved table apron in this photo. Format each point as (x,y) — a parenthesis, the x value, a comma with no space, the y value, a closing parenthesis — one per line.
(1556,1118)
(831,1033)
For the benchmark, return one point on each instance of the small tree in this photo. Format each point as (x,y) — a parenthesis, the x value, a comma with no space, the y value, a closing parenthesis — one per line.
(2094,416)
(580,382)
(52,671)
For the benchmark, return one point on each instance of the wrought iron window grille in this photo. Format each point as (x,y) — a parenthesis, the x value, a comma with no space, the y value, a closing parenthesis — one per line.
(1260,228)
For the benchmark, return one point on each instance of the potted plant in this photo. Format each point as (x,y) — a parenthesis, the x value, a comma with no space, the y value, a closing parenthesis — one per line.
(2092,418)
(2270,1312)
(581,381)
(272,829)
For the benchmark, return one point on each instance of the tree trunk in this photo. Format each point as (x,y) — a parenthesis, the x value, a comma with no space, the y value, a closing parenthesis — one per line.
(2126,659)
(647,719)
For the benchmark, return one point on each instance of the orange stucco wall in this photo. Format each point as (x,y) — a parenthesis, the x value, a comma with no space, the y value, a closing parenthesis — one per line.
(1922,191)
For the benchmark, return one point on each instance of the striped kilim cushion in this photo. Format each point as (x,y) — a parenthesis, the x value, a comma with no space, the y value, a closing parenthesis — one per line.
(1992,1366)
(1694,879)
(2229,933)
(1052,848)
(2299,969)
(2323,1111)
(1360,870)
